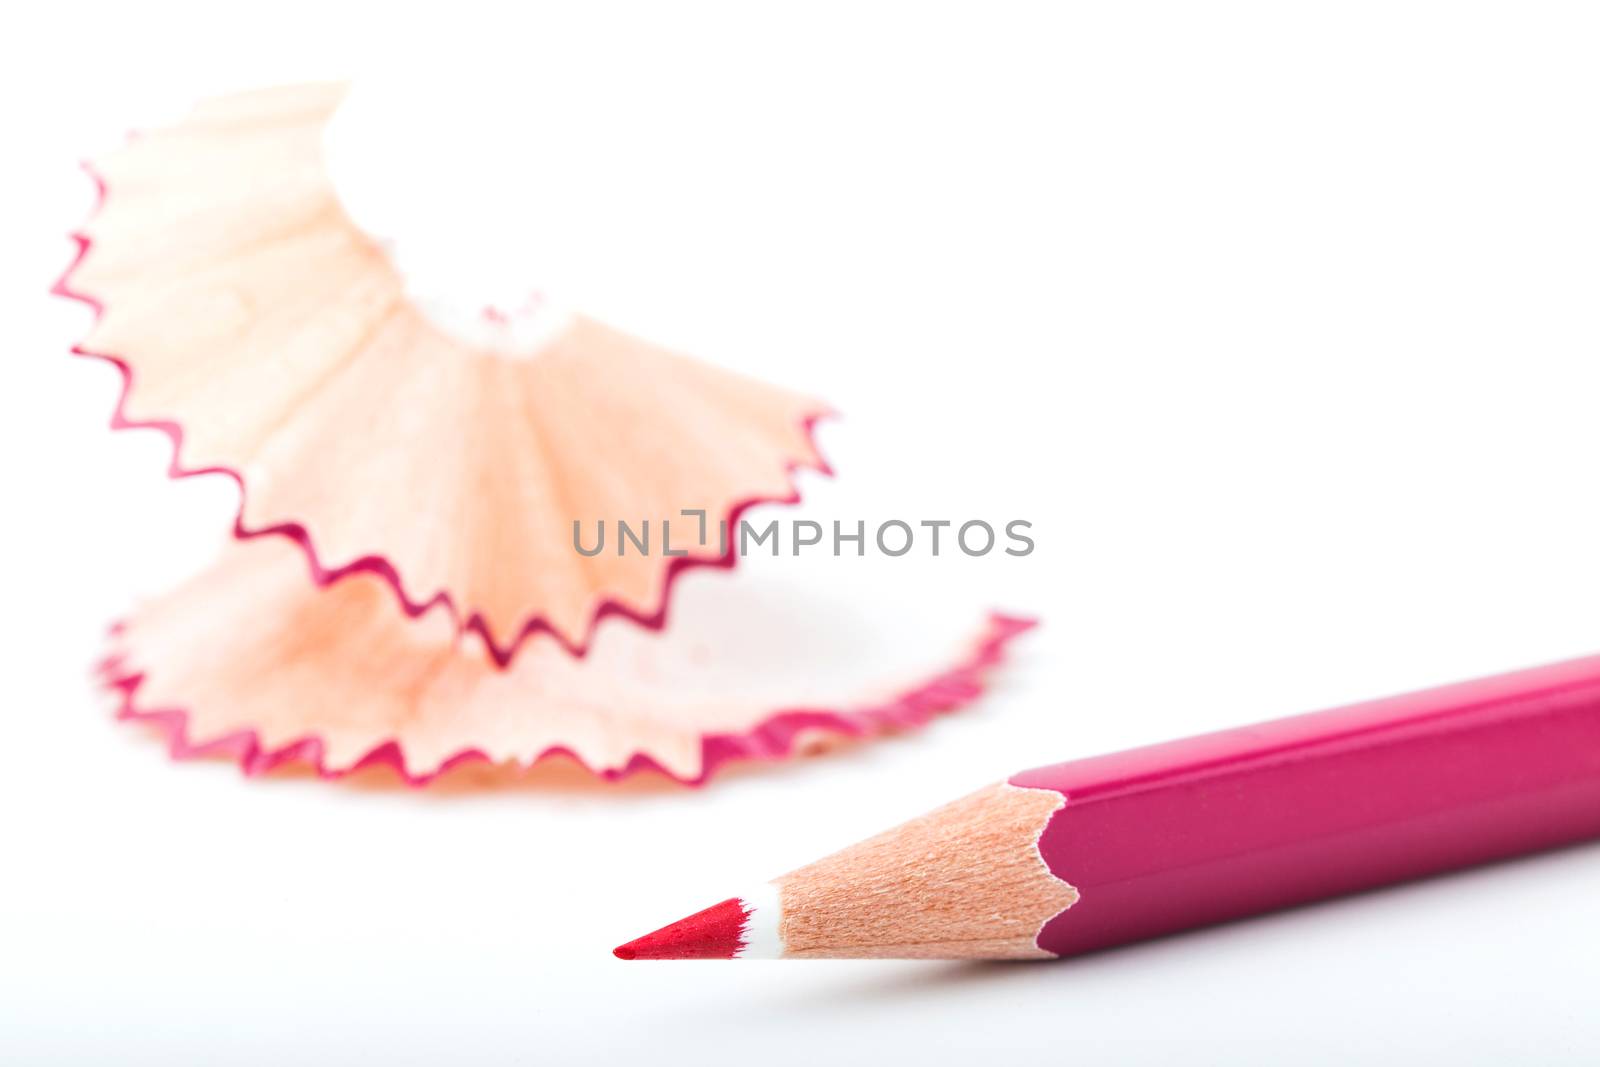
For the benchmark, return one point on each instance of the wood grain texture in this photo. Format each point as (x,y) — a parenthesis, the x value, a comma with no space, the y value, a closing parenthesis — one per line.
(250,647)
(251,312)
(965,881)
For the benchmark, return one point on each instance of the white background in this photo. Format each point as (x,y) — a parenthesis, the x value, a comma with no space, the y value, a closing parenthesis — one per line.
(1278,321)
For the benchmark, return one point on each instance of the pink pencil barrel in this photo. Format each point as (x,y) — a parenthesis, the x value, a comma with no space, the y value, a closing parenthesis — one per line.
(1244,821)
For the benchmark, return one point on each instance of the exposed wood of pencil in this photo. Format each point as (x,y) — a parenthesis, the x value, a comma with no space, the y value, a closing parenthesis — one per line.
(913,892)
(965,881)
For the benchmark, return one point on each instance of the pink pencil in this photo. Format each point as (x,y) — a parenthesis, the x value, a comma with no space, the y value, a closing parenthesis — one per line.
(1102,851)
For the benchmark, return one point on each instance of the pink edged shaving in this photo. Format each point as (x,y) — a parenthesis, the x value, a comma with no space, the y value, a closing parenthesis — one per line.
(251,661)
(277,343)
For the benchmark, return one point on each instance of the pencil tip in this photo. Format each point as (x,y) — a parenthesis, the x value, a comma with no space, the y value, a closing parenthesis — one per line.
(713,934)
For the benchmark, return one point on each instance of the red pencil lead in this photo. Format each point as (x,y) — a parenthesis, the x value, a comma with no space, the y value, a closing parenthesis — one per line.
(713,934)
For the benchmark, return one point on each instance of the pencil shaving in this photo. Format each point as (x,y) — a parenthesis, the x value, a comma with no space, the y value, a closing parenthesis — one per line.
(275,342)
(252,661)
